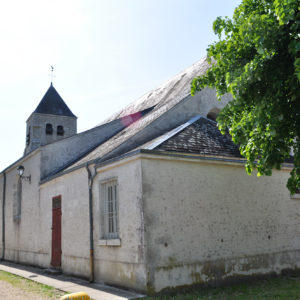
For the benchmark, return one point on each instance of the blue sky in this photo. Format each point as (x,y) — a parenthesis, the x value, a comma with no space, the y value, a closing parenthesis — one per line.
(105,53)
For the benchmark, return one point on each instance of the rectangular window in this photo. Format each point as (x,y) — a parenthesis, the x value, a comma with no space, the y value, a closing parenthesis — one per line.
(109,209)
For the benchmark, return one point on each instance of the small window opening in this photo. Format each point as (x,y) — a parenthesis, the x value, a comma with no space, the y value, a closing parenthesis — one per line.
(28,137)
(60,130)
(49,128)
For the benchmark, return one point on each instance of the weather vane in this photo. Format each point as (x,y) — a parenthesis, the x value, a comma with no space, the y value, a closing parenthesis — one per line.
(52,75)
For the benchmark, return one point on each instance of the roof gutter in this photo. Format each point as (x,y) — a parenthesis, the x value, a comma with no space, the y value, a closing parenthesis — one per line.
(200,157)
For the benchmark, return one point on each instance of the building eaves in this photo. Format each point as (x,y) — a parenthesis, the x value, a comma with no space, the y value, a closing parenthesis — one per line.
(163,99)
(179,136)
(21,159)
(156,153)
(123,123)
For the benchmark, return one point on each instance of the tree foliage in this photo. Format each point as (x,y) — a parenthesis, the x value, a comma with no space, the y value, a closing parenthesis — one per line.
(257,60)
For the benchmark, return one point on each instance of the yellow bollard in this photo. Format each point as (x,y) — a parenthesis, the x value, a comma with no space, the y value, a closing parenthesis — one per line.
(76,296)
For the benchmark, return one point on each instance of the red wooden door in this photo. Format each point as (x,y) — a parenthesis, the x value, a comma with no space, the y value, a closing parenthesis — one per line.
(56,232)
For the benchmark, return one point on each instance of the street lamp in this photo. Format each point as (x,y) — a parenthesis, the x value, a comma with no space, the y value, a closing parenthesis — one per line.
(21,171)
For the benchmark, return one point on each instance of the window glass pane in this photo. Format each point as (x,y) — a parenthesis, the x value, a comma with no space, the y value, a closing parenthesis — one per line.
(109,213)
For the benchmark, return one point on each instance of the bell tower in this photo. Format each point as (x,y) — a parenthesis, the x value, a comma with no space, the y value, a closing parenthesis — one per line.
(51,121)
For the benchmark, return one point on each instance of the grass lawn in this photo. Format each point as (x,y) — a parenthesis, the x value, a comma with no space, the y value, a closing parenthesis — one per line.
(30,286)
(283,288)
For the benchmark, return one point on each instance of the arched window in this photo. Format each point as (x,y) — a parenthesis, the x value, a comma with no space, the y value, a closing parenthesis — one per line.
(49,128)
(60,130)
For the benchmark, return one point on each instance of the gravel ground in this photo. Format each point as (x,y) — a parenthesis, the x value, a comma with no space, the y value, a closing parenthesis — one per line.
(9,292)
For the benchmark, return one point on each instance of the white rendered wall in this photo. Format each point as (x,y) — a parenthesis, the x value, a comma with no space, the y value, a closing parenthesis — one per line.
(1,205)
(211,221)
(73,189)
(122,265)
(25,239)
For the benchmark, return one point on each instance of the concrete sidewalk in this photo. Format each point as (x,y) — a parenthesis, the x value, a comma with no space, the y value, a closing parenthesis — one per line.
(61,282)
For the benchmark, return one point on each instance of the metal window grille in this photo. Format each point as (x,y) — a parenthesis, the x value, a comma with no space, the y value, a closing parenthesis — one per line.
(110,210)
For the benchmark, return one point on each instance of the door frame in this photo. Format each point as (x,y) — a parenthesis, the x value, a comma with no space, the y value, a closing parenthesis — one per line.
(56,232)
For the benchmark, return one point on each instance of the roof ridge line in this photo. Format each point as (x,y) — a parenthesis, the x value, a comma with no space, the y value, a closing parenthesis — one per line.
(174,131)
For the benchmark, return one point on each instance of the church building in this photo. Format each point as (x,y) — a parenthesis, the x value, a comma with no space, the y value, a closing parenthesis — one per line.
(152,198)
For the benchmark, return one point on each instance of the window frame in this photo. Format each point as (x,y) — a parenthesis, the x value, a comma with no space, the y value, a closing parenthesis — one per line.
(109,212)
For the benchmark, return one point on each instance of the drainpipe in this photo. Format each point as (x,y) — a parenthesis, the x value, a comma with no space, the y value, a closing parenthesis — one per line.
(3,215)
(90,183)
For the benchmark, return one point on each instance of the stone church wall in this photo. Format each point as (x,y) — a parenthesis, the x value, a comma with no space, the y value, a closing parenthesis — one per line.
(212,222)
(36,129)
(25,238)
(124,263)
(1,205)
(73,189)
(121,263)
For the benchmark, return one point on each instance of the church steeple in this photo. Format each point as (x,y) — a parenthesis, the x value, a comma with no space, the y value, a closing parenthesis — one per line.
(52,120)
(53,104)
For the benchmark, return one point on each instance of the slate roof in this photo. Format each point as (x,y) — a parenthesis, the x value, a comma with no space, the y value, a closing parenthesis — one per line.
(53,104)
(160,99)
(201,136)
(168,93)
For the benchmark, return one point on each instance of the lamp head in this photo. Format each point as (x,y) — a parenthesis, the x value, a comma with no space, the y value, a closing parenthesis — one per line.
(20,170)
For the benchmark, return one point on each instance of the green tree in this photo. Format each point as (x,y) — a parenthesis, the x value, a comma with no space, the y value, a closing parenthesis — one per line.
(257,60)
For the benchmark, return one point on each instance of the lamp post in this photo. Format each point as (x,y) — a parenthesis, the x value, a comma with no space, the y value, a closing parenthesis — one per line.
(21,171)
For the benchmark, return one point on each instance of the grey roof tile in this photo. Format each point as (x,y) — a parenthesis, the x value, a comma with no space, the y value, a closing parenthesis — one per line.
(162,99)
(168,93)
(53,104)
(201,137)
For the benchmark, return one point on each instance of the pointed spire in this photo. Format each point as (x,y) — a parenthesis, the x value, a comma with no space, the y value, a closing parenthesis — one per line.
(53,104)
